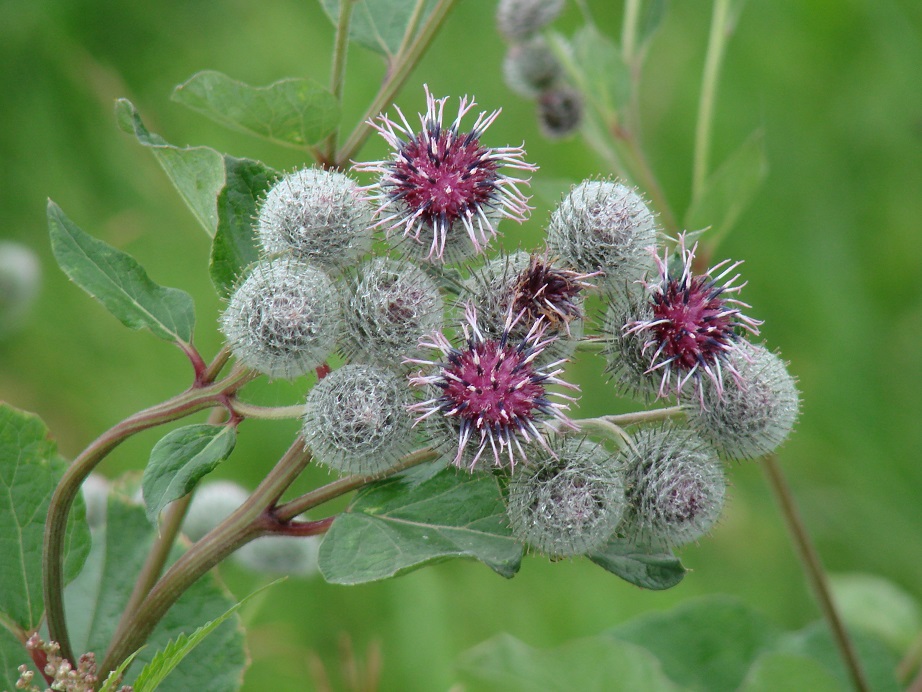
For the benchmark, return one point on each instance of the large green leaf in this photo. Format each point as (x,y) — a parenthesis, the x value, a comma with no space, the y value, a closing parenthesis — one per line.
(235,244)
(29,472)
(593,664)
(180,459)
(876,605)
(728,190)
(640,566)
(392,528)
(292,112)
(706,644)
(378,24)
(196,172)
(94,602)
(12,655)
(772,672)
(116,280)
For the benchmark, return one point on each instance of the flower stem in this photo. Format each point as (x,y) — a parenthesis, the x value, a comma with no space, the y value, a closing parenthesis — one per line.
(813,567)
(242,526)
(266,412)
(190,401)
(717,41)
(629,31)
(403,65)
(650,416)
(338,70)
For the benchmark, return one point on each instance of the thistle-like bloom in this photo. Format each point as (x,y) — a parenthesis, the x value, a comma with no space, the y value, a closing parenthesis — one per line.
(694,325)
(490,393)
(441,184)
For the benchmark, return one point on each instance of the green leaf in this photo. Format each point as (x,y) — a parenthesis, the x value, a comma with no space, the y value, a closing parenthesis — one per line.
(235,244)
(182,458)
(115,677)
(95,600)
(729,190)
(30,469)
(596,67)
(392,528)
(593,664)
(196,172)
(773,671)
(379,25)
(12,655)
(878,606)
(639,565)
(117,281)
(706,643)
(652,17)
(291,112)
(816,642)
(169,657)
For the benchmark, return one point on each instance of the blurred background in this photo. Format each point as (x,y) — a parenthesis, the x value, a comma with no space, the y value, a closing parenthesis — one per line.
(832,245)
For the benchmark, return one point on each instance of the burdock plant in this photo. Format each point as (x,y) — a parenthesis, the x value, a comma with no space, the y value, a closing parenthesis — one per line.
(432,364)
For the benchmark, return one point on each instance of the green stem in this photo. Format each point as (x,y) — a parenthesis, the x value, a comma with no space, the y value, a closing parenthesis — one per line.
(629,31)
(190,401)
(813,567)
(242,526)
(338,70)
(717,41)
(638,417)
(317,497)
(266,412)
(402,67)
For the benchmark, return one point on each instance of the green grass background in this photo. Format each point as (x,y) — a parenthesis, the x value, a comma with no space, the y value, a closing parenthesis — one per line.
(832,243)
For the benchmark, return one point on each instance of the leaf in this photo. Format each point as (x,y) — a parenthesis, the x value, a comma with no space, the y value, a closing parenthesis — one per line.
(292,112)
(652,17)
(392,528)
(729,190)
(165,660)
(593,664)
(379,25)
(815,641)
(878,606)
(117,281)
(594,63)
(706,644)
(114,678)
(12,655)
(235,244)
(639,565)
(197,173)
(182,458)
(773,671)
(95,600)
(30,469)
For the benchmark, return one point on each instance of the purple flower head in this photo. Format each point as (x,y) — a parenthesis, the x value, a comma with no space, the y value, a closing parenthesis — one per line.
(440,182)
(490,393)
(695,325)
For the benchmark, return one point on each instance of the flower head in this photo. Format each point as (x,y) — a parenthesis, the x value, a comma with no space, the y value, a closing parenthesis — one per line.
(441,183)
(491,393)
(694,325)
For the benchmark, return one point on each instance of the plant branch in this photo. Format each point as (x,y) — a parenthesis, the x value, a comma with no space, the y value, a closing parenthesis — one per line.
(402,67)
(242,526)
(266,412)
(813,567)
(216,366)
(338,69)
(190,401)
(629,31)
(650,416)
(717,41)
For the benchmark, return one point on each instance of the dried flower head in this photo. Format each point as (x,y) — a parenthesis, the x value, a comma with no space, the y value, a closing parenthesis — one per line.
(675,487)
(391,304)
(356,420)
(490,393)
(519,19)
(603,225)
(441,186)
(569,502)
(755,411)
(531,67)
(560,111)
(317,216)
(283,319)
(694,324)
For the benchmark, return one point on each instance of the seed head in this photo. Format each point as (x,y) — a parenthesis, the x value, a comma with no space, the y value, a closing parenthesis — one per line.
(391,304)
(531,67)
(627,363)
(560,111)
(755,411)
(675,487)
(489,393)
(694,324)
(441,186)
(567,502)
(283,319)
(317,216)
(603,226)
(356,420)
(519,19)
